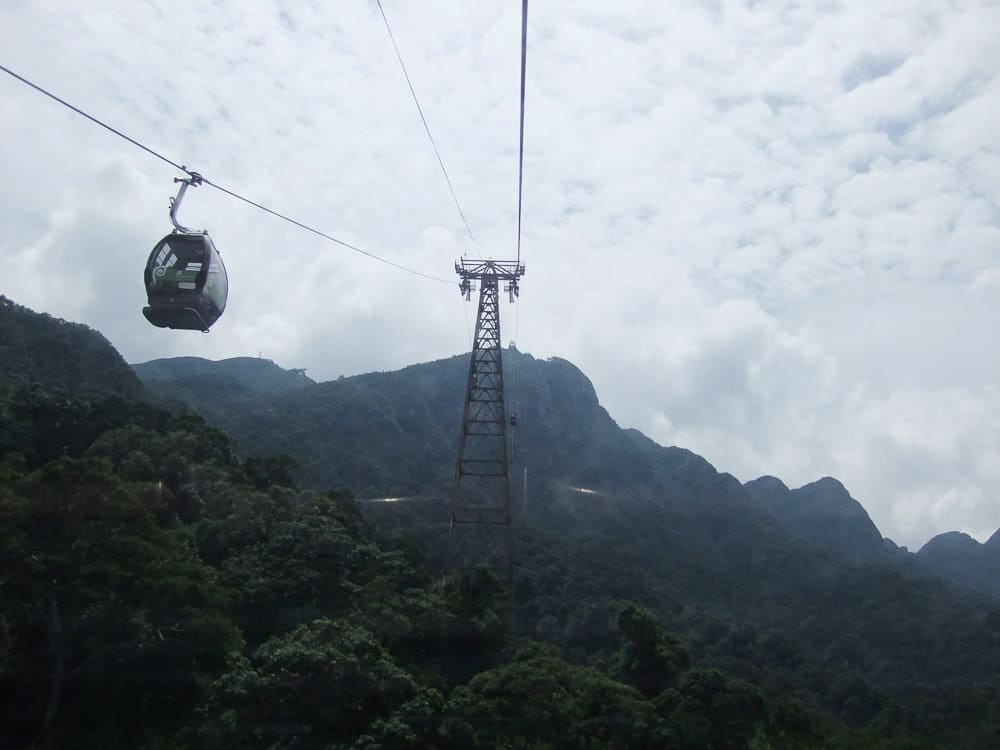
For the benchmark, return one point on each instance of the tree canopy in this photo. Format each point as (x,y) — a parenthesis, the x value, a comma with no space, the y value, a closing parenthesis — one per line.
(161,588)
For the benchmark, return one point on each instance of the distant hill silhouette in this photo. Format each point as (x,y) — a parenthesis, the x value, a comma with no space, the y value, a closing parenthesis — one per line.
(959,558)
(256,374)
(217,389)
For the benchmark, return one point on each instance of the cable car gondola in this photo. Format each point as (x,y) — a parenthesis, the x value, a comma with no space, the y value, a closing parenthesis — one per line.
(185,278)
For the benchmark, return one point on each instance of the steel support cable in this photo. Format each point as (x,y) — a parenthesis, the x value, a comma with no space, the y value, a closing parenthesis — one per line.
(218,187)
(93,119)
(324,235)
(517,352)
(520,150)
(423,119)
(468,328)
(514,400)
(517,326)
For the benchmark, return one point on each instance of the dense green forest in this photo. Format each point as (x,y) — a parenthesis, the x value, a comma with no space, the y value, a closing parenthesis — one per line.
(163,587)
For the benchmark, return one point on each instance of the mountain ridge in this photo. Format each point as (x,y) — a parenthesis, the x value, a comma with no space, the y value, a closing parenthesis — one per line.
(565,434)
(256,373)
(822,511)
(957,557)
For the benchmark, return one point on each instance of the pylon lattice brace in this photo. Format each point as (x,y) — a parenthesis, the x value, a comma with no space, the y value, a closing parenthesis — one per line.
(479,531)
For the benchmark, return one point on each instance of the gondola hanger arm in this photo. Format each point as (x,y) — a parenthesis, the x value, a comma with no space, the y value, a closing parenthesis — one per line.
(194,180)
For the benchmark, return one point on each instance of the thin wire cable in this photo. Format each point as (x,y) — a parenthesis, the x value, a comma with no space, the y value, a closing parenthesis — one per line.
(516,352)
(324,235)
(468,328)
(423,119)
(94,120)
(520,153)
(218,187)
(513,207)
(514,402)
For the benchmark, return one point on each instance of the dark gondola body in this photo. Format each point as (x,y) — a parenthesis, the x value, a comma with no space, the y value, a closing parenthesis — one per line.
(186,282)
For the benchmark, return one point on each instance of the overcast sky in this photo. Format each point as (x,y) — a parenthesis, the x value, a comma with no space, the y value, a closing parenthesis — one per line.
(767,231)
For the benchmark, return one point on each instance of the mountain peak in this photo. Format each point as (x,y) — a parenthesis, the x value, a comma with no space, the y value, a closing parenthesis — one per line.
(993,542)
(572,384)
(950,542)
(821,512)
(766,485)
(826,489)
(219,389)
(957,557)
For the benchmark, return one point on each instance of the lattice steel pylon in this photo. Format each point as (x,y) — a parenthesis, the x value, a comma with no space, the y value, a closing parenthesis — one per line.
(479,531)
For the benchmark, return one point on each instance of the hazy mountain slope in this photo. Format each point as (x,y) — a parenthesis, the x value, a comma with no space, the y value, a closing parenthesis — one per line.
(822,512)
(257,375)
(960,559)
(992,545)
(397,432)
(219,389)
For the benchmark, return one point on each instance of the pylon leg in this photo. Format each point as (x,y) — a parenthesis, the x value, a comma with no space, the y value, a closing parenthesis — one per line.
(479,531)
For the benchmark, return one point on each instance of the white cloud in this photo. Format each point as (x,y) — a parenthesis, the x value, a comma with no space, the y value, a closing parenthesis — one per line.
(987,280)
(754,225)
(927,459)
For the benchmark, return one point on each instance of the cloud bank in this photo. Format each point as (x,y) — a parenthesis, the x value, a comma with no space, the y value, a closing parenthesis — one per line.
(767,231)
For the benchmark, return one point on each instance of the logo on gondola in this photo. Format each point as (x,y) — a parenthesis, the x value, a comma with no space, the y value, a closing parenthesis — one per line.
(160,271)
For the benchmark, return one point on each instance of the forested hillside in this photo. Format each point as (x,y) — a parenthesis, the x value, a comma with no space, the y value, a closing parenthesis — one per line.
(159,589)
(39,349)
(792,589)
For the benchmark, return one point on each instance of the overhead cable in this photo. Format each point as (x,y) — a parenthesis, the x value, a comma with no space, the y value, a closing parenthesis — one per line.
(423,119)
(520,150)
(93,119)
(324,235)
(220,188)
